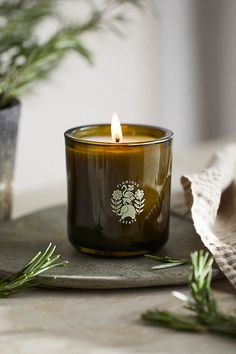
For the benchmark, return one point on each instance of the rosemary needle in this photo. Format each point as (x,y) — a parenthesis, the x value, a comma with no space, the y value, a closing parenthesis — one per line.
(166,262)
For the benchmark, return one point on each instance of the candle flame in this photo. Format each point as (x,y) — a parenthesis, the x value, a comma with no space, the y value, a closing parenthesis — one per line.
(116,131)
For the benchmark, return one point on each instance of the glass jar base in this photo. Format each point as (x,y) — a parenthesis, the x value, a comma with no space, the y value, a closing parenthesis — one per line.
(113,254)
(90,242)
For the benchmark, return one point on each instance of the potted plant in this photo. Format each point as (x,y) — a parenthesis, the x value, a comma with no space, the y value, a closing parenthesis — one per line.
(25,59)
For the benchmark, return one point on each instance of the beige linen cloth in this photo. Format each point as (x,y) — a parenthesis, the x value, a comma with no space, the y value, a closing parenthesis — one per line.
(210,199)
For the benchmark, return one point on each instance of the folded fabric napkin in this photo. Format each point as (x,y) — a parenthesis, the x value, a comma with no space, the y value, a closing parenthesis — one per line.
(210,199)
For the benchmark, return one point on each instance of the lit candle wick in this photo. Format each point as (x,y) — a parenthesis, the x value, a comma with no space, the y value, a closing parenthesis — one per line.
(116,131)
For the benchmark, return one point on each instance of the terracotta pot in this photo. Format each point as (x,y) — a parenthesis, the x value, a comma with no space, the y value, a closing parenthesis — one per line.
(9,120)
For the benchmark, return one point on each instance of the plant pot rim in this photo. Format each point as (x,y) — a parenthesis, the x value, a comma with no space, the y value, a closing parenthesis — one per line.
(14,102)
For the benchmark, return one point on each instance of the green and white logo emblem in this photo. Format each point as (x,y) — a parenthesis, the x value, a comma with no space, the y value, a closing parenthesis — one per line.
(127,201)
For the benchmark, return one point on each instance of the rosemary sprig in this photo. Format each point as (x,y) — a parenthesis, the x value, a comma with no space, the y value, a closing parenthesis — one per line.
(202,303)
(25,278)
(166,262)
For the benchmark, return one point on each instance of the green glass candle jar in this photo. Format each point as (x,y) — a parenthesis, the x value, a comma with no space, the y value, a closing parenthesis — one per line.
(118,192)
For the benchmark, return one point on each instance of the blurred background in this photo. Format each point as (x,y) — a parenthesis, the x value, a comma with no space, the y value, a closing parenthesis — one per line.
(174,66)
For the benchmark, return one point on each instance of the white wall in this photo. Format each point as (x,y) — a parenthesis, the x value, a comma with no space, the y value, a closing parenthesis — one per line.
(181,84)
(227,66)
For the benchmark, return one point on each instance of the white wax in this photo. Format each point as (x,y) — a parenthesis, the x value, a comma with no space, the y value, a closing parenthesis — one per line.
(126,139)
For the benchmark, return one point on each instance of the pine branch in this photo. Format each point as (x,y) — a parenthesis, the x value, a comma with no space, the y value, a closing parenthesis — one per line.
(21,19)
(24,60)
(41,60)
(202,303)
(25,278)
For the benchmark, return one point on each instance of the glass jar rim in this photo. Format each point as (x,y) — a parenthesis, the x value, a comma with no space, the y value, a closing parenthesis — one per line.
(168,135)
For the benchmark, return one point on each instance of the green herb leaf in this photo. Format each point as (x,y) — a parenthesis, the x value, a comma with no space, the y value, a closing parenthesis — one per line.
(202,303)
(168,319)
(168,265)
(25,278)
(25,59)
(166,262)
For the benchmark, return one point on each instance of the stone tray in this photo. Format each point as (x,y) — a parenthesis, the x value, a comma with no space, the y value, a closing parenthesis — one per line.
(20,239)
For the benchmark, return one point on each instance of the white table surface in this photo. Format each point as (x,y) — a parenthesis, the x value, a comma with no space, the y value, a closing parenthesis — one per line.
(69,321)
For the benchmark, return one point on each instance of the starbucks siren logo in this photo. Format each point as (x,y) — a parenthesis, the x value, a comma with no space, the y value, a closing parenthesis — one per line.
(127,201)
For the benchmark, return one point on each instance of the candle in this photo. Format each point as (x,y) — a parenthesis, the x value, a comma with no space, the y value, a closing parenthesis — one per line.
(118,188)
